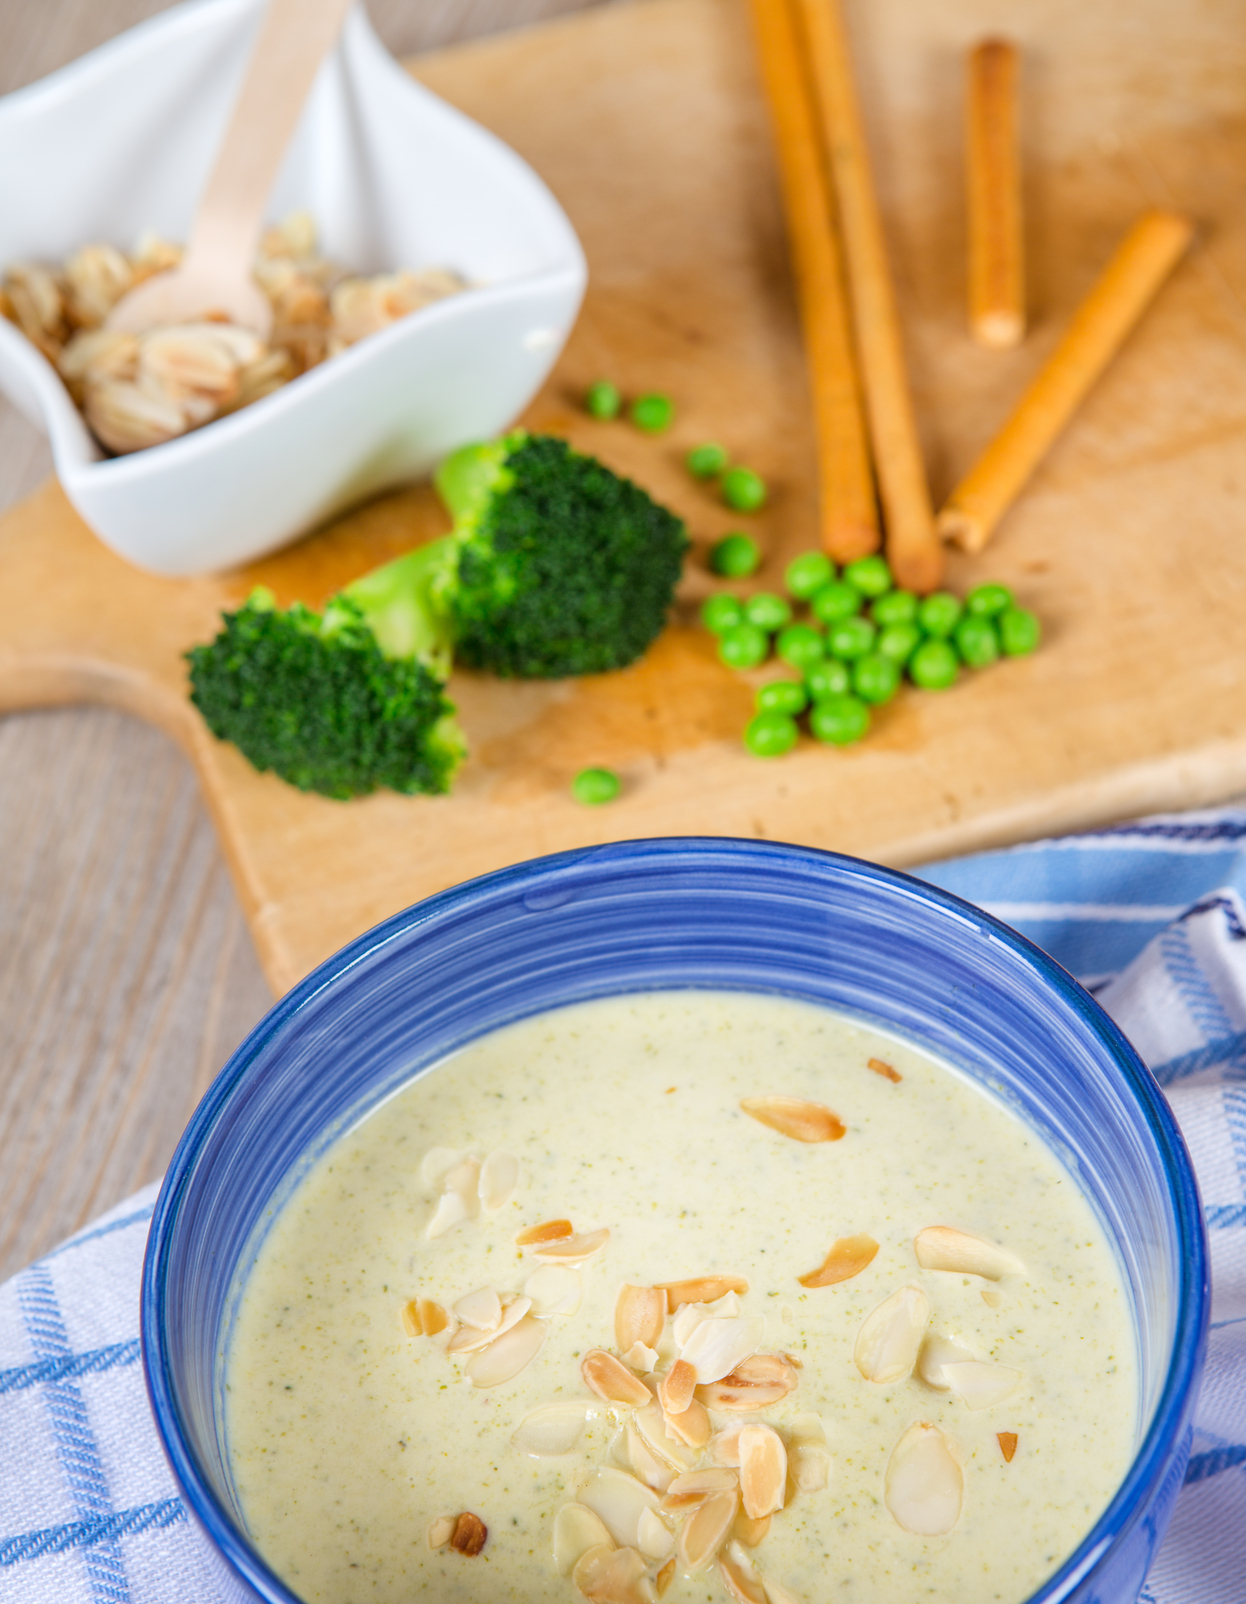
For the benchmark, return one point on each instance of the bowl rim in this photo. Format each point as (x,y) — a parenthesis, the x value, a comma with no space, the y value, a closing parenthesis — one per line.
(554,872)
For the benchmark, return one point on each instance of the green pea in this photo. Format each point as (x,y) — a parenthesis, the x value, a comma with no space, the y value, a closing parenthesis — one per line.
(736,556)
(976,641)
(653,413)
(896,607)
(706,460)
(870,575)
(743,489)
(722,612)
(828,678)
(898,641)
(603,399)
(987,600)
(767,611)
(807,573)
(744,646)
(840,720)
(938,614)
(851,637)
(771,734)
(1019,631)
(875,678)
(782,696)
(801,646)
(830,603)
(934,665)
(594,786)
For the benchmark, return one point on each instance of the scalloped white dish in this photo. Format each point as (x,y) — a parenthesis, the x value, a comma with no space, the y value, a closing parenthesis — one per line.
(122,140)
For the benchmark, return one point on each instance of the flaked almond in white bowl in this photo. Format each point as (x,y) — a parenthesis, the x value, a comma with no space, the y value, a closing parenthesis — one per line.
(118,145)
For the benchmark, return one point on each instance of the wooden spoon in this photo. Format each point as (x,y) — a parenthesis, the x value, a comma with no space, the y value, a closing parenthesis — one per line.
(215,274)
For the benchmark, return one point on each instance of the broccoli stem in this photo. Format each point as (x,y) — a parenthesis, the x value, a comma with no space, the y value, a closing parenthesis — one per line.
(470,476)
(399,604)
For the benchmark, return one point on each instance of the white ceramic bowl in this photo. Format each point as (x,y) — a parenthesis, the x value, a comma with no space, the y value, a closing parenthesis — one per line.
(123,139)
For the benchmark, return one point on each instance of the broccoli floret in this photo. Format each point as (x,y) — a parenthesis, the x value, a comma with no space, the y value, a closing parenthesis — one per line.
(563,567)
(555,566)
(343,702)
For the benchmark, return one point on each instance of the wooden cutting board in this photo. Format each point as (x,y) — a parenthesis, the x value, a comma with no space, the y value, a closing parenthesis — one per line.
(646,121)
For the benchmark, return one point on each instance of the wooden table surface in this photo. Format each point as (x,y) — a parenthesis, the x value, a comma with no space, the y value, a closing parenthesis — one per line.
(127,975)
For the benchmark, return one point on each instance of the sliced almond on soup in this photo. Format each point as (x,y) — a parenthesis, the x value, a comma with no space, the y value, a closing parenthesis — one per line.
(664,1578)
(880,1066)
(925,1485)
(651,1423)
(808,1457)
(464,1181)
(981,1386)
(619,1499)
(436,1165)
(765,1370)
(692,1427)
(763,1470)
(481,1309)
(849,1255)
(639,1316)
(796,1118)
(700,1289)
(573,1249)
(440,1531)
(936,1352)
(716,1347)
(1007,1441)
(676,1387)
(553,1429)
(451,1210)
(507,1355)
(942,1247)
(695,1486)
(725,1444)
(891,1335)
(469,1340)
(641,1359)
(610,1378)
(706,1530)
(620,1576)
(554,1289)
(739,1400)
(654,1538)
(740,1579)
(643,1462)
(746,1530)
(421,1317)
(499,1176)
(547,1231)
(576,1530)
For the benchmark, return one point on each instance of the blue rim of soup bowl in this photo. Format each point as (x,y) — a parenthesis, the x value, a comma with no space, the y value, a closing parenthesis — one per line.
(603,921)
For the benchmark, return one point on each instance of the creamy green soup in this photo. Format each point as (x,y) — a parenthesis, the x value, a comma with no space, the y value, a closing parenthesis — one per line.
(945,1433)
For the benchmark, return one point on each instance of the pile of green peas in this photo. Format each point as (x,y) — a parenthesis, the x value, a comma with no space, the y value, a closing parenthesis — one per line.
(861,637)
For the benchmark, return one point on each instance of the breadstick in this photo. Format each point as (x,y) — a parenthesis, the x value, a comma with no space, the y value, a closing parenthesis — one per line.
(996,249)
(1142,262)
(912,546)
(849,513)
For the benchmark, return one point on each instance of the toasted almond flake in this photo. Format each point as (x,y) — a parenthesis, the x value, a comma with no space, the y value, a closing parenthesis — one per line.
(746,1530)
(808,1429)
(451,1210)
(654,1538)
(470,1534)
(621,1577)
(421,1317)
(499,1176)
(692,1426)
(1007,1441)
(794,1117)
(469,1339)
(547,1231)
(706,1529)
(554,1289)
(936,1352)
(552,1429)
(695,1486)
(725,1444)
(639,1315)
(991,1298)
(739,1400)
(890,1336)
(573,1249)
(436,1165)
(777,1594)
(741,1580)
(654,1472)
(440,1531)
(576,1530)
(942,1247)
(677,1386)
(763,1470)
(716,1347)
(642,1359)
(665,1577)
(886,1070)
(701,1289)
(481,1309)
(849,1255)
(620,1499)
(651,1423)
(810,1467)
(610,1378)
(765,1370)
(507,1354)
(924,1483)
(982,1385)
(464,1181)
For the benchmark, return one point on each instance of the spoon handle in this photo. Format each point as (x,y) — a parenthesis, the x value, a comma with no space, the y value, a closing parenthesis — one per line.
(294,38)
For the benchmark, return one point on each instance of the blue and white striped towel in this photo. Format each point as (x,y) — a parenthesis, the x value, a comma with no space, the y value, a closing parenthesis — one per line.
(1149,915)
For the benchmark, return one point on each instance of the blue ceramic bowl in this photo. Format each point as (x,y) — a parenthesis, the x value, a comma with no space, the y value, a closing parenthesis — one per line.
(655,915)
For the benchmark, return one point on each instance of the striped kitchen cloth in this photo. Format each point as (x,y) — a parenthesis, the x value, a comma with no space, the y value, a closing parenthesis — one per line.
(1149,915)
